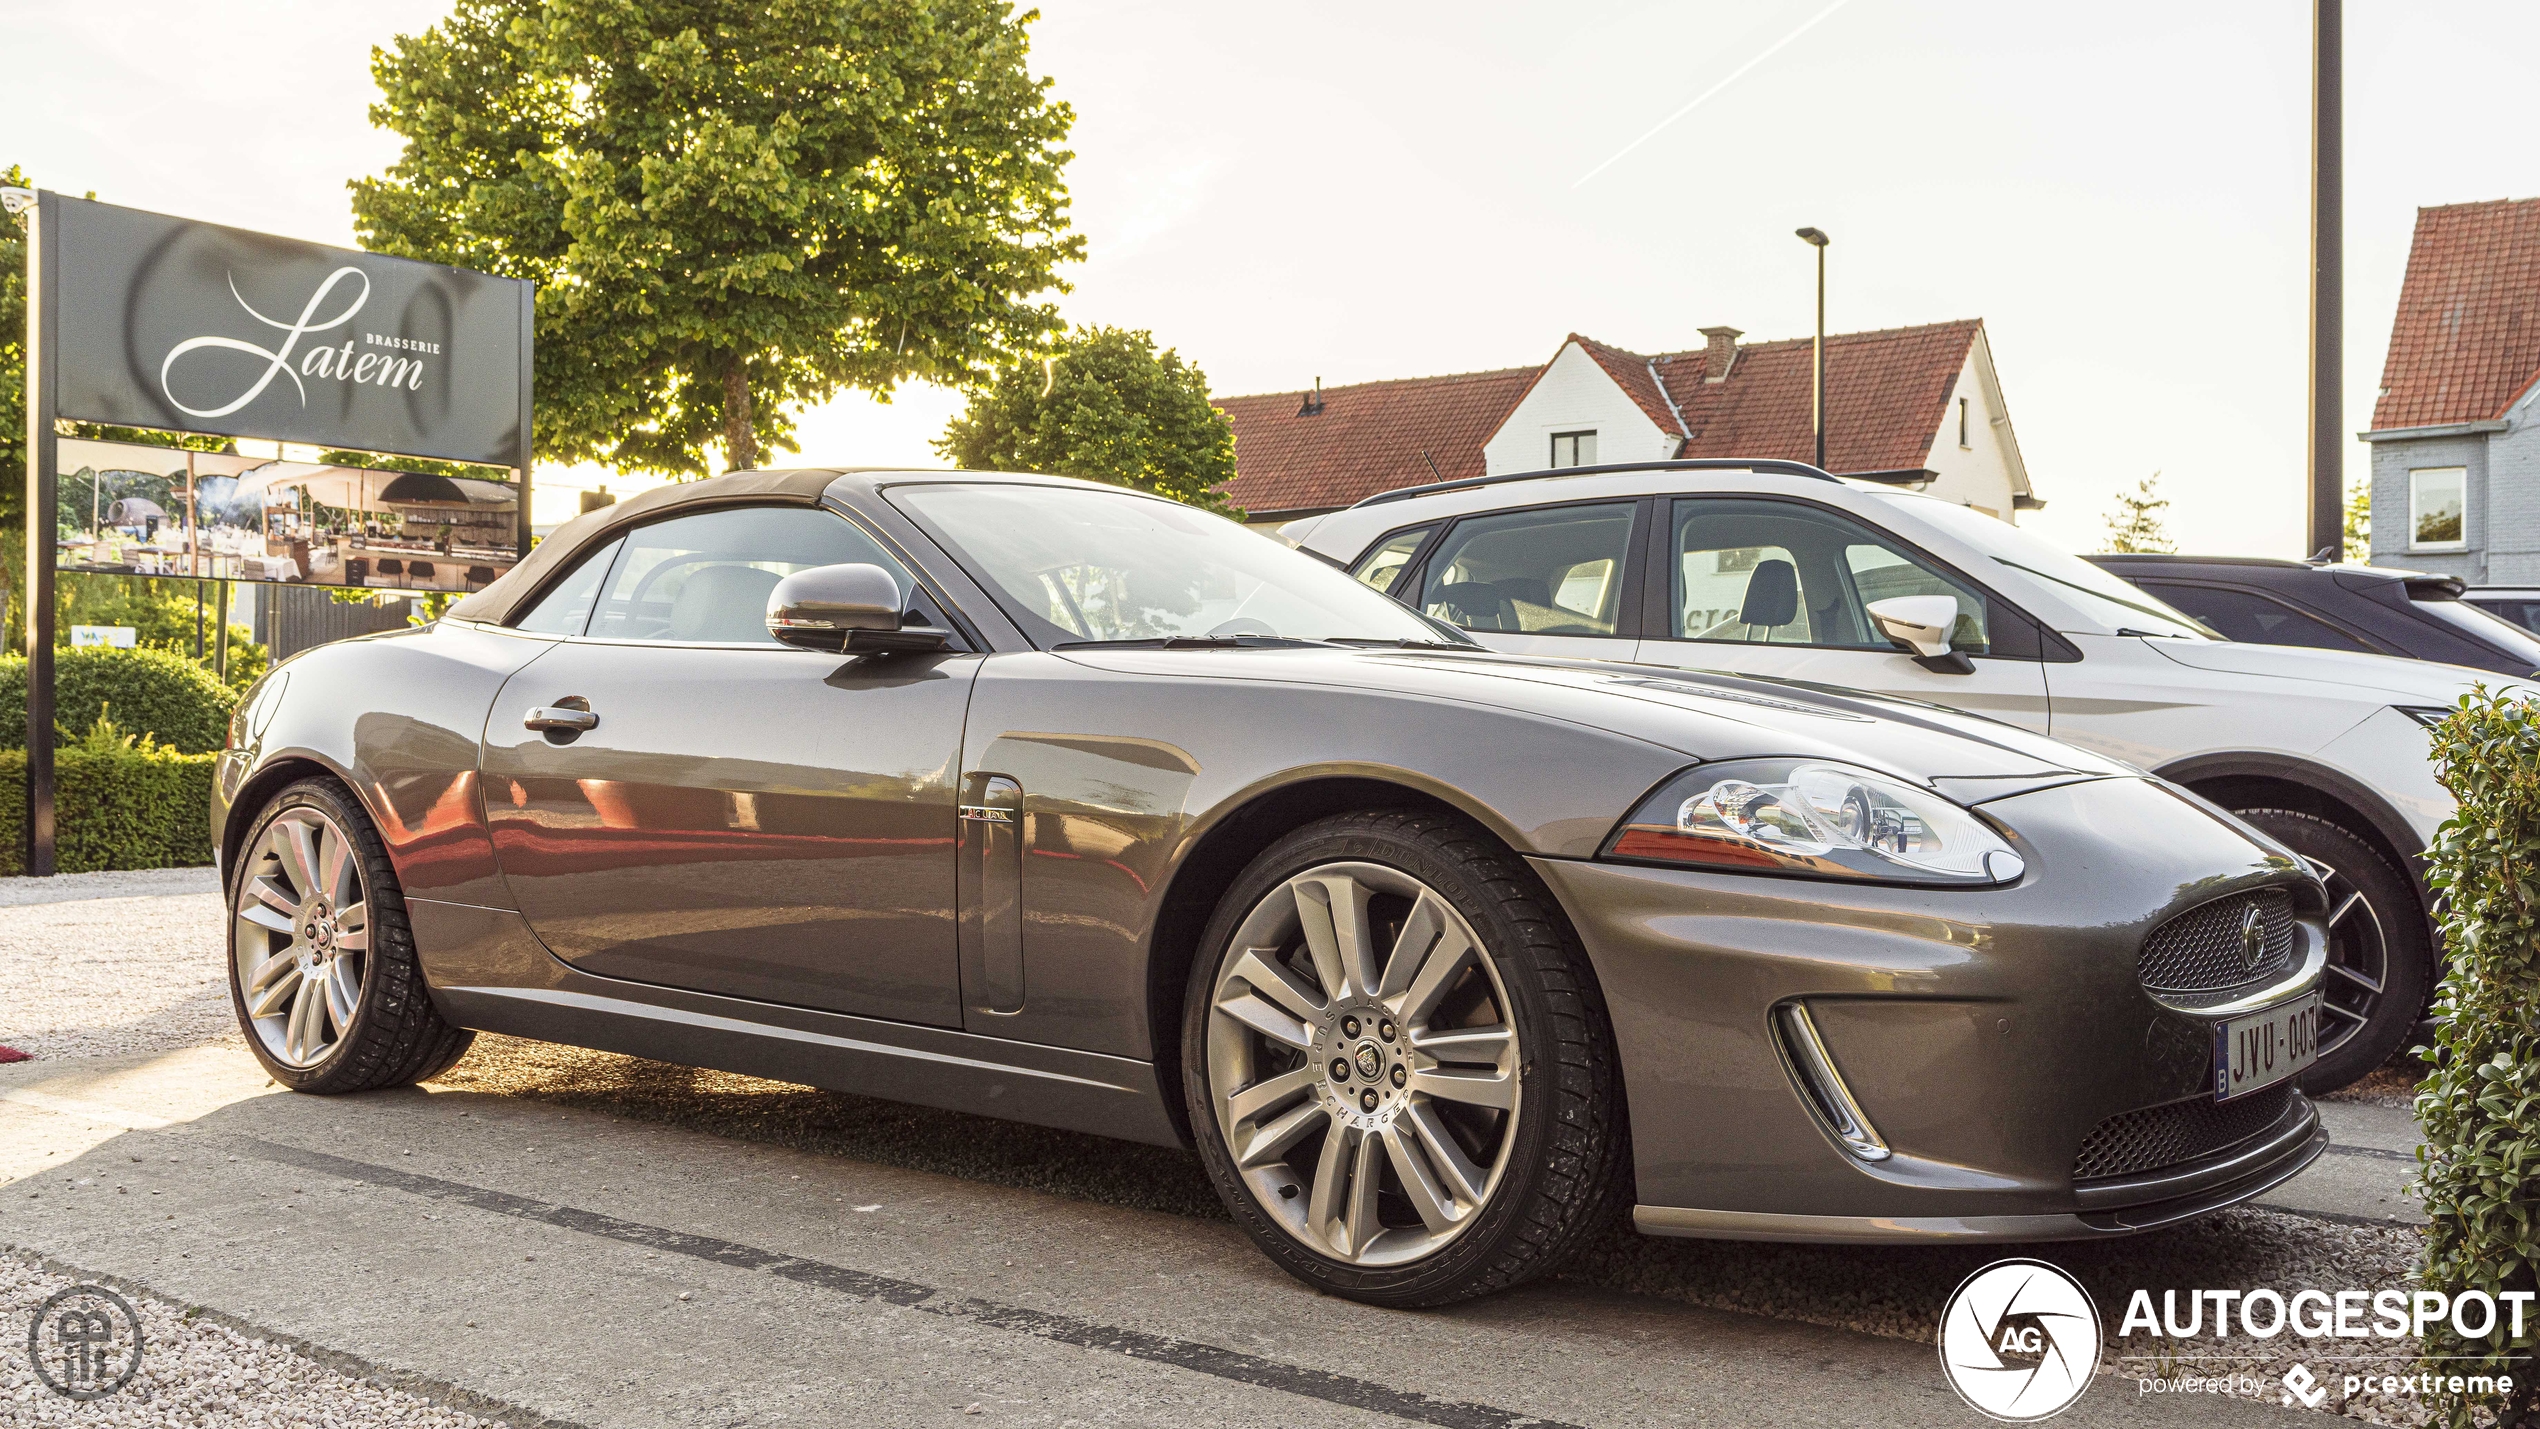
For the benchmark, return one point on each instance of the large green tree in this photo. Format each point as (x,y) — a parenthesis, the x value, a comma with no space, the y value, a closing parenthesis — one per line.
(731,207)
(1105,406)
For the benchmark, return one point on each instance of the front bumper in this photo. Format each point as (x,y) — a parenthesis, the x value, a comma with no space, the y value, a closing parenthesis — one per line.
(1985,1033)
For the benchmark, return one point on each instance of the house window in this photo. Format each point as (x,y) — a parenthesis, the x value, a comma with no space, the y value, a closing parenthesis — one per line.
(1574,448)
(2437,497)
(1962,425)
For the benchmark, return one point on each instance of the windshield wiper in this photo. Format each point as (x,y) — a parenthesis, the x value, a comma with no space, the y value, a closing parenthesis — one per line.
(1194,642)
(1400,643)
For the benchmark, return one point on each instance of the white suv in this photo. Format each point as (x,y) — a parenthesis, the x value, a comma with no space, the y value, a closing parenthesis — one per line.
(1777,569)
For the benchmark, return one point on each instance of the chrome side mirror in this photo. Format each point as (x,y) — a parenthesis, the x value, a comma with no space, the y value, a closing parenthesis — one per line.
(854,608)
(1921,624)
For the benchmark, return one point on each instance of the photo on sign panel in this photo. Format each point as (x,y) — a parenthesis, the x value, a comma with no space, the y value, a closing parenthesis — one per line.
(125,509)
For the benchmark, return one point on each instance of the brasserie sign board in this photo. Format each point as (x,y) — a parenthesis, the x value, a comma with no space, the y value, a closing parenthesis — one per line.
(193,327)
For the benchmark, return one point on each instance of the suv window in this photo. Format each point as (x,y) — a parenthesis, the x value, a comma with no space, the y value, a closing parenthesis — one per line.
(1776,572)
(1382,566)
(1554,571)
(2251,617)
(707,577)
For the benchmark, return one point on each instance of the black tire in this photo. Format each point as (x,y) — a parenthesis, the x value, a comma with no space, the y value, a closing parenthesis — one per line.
(1569,1144)
(2402,963)
(396,1036)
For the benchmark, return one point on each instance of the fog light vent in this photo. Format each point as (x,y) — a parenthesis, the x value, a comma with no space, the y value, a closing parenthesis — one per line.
(1823,1085)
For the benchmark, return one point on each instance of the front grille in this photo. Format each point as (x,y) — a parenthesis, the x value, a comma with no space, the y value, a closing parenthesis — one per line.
(2205,948)
(2177,1132)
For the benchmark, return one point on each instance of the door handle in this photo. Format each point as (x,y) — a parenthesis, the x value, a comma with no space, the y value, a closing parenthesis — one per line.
(551,719)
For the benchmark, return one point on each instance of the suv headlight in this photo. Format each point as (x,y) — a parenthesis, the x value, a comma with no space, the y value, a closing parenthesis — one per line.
(1813,819)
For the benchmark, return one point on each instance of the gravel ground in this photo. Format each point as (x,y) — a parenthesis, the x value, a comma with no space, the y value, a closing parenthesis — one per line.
(195,1372)
(1893,1291)
(2395,1085)
(80,984)
(75,986)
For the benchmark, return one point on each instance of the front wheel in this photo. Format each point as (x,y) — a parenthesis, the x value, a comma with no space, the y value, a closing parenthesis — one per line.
(322,967)
(1397,1064)
(2380,961)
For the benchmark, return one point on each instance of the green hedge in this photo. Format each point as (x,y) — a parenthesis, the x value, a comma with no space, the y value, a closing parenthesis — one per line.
(2480,1172)
(115,806)
(152,692)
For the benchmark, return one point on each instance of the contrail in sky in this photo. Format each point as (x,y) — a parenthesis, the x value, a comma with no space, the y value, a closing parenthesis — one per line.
(1734,75)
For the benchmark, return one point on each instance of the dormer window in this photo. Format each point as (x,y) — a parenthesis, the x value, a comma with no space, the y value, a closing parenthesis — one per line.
(1574,448)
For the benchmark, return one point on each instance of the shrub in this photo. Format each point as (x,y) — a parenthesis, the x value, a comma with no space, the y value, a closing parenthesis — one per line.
(165,696)
(119,802)
(161,614)
(2480,1171)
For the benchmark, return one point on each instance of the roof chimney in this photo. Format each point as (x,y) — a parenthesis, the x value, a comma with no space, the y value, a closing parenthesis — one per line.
(1312,406)
(1721,355)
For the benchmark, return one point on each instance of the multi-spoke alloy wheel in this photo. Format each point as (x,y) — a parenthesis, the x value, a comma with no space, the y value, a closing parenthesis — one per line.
(2358,958)
(1396,1062)
(303,936)
(2380,949)
(1363,1064)
(322,965)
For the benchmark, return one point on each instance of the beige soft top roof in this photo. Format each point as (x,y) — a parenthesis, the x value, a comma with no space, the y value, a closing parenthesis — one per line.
(517,587)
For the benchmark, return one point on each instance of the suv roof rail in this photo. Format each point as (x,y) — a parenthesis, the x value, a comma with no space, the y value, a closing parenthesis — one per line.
(1772,464)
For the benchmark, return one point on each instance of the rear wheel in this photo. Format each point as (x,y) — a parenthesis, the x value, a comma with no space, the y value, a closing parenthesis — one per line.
(1397,1064)
(2380,962)
(322,967)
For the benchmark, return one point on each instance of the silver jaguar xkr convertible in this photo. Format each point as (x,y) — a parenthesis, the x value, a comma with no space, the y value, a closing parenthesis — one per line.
(1070,805)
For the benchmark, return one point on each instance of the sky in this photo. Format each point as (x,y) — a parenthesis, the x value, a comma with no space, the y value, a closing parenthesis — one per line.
(1357,191)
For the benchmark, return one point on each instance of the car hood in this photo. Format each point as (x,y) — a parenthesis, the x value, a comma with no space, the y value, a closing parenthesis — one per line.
(2401,681)
(1706,715)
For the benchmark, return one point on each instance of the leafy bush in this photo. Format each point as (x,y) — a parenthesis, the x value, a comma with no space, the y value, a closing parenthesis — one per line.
(119,802)
(167,697)
(2480,1172)
(161,614)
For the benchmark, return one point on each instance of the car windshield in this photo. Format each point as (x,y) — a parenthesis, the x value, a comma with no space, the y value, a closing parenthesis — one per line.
(1074,565)
(2105,597)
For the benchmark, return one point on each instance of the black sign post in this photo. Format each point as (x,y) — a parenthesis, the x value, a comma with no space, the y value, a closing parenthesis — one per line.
(43,369)
(142,320)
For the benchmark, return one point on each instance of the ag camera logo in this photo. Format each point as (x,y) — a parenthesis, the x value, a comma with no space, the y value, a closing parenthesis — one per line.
(2019,1341)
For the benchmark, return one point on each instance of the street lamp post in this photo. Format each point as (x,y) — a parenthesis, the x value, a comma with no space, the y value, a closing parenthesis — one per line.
(1816,238)
(2328,280)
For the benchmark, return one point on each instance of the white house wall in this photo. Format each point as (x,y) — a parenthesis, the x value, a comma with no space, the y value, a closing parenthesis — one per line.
(1979,473)
(1575,395)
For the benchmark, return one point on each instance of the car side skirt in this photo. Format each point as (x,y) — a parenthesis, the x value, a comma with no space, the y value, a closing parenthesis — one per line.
(487,971)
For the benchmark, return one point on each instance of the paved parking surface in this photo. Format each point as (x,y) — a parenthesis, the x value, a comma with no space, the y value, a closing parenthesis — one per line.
(549,1235)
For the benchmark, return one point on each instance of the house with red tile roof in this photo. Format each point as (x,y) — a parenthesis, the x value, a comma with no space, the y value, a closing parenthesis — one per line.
(1919,406)
(2456,429)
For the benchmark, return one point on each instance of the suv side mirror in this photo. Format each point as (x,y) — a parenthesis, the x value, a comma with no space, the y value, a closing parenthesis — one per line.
(854,608)
(1921,624)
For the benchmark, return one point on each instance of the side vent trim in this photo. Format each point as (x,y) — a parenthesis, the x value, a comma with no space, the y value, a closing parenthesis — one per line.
(1822,1086)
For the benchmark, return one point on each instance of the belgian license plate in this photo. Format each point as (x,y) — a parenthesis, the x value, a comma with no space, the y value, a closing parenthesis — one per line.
(2265,1047)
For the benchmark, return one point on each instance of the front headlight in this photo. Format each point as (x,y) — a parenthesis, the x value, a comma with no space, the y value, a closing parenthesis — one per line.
(1816,820)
